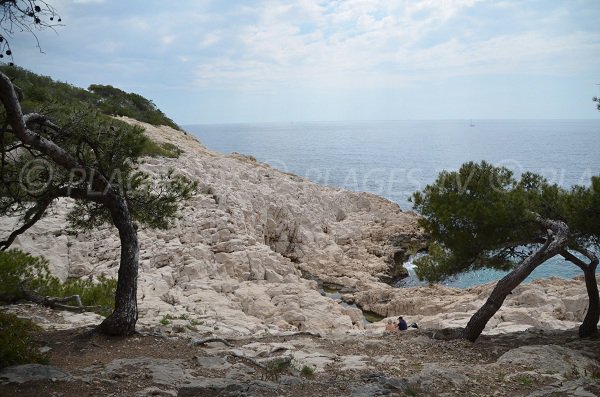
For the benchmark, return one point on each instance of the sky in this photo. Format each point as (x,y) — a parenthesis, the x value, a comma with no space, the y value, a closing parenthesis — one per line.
(230,61)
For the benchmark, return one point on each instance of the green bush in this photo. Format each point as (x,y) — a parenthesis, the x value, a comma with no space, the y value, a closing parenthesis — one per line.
(64,101)
(16,344)
(307,372)
(100,294)
(113,101)
(19,269)
(41,91)
(151,148)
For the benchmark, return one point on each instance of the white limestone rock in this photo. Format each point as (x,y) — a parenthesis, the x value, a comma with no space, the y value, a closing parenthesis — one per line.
(235,257)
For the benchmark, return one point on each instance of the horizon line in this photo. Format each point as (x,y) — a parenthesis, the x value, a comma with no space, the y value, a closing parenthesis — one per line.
(382,121)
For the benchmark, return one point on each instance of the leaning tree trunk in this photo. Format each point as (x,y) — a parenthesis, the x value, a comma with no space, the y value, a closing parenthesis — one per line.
(554,244)
(122,321)
(589,326)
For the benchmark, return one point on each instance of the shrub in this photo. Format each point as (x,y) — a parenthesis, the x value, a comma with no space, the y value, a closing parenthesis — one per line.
(100,294)
(307,372)
(40,91)
(16,345)
(153,149)
(19,269)
(114,101)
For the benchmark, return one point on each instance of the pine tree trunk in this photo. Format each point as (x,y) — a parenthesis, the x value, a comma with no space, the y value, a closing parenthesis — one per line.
(589,326)
(509,282)
(122,321)
(502,289)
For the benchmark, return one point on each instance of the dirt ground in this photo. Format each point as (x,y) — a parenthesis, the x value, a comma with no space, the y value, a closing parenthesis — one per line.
(413,360)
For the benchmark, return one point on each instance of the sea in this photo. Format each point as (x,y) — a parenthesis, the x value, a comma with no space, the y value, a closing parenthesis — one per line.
(393,159)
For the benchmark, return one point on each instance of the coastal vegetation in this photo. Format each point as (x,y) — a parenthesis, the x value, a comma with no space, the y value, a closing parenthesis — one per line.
(27,277)
(482,216)
(40,92)
(60,145)
(114,101)
(17,341)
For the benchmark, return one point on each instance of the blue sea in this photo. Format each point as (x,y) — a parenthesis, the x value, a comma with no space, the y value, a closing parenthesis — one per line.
(395,158)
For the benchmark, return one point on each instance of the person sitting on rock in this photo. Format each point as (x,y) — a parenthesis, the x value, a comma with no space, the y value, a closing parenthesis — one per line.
(402,326)
(390,326)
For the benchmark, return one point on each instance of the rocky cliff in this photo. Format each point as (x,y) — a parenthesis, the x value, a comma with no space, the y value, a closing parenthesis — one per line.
(256,248)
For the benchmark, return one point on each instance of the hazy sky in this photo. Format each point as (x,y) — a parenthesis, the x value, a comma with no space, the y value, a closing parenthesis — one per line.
(209,61)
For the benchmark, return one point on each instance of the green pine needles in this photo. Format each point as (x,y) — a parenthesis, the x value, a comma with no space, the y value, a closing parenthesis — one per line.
(20,271)
(481,216)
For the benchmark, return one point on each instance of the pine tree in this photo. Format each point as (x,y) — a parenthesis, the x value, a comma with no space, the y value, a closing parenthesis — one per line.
(481,216)
(68,149)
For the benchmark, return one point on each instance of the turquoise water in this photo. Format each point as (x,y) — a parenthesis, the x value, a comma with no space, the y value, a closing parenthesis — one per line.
(395,158)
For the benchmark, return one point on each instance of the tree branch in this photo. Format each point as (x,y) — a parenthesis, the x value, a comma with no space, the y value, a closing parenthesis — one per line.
(590,255)
(39,119)
(17,121)
(35,213)
(79,194)
(58,155)
(31,217)
(57,302)
(573,259)
(577,261)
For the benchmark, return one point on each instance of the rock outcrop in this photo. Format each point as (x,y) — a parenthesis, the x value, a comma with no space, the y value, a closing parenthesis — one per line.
(252,250)
(235,258)
(552,303)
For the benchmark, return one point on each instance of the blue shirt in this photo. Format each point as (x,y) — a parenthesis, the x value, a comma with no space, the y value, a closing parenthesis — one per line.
(402,325)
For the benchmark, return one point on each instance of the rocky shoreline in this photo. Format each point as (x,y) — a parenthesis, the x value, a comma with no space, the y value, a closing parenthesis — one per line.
(255,251)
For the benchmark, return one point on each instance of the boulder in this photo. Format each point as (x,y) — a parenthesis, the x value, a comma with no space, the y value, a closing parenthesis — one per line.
(33,372)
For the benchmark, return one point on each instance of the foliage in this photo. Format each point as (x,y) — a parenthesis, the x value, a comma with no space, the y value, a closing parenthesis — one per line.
(482,216)
(39,92)
(307,372)
(19,269)
(166,149)
(153,202)
(597,100)
(99,294)
(105,146)
(273,369)
(68,149)
(436,265)
(111,100)
(16,344)
(525,380)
